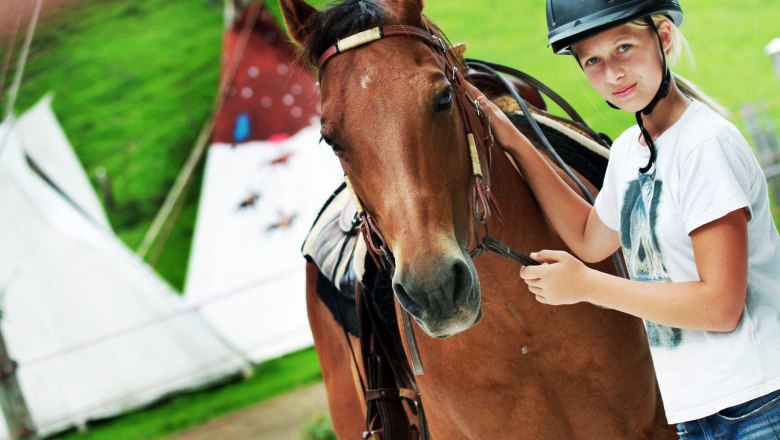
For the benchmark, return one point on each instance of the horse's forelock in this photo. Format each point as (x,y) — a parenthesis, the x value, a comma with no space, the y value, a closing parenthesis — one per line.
(340,20)
(347,17)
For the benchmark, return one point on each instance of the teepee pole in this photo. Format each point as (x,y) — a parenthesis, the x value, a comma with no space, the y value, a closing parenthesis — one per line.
(14,90)
(12,403)
(182,182)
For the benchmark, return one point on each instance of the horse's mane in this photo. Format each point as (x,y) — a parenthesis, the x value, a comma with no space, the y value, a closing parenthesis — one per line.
(346,17)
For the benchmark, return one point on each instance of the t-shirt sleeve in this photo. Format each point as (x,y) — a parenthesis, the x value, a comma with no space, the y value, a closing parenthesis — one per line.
(714,180)
(606,203)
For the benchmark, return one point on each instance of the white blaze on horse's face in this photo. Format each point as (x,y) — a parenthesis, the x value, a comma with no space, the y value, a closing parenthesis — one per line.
(365,81)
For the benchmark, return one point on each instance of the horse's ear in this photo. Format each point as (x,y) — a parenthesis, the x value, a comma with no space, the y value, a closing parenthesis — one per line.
(459,50)
(296,16)
(408,11)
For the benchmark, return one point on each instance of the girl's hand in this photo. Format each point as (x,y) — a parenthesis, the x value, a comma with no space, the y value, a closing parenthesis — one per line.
(560,279)
(506,134)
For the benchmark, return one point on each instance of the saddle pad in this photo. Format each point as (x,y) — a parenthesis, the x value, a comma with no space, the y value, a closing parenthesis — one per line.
(560,125)
(572,132)
(334,239)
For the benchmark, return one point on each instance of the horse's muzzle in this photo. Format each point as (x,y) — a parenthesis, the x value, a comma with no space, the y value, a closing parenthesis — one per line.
(441,293)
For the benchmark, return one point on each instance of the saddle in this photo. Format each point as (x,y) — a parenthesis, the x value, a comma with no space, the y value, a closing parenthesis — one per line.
(331,245)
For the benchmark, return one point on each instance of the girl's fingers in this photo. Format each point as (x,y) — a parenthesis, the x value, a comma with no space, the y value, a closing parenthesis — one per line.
(547,256)
(529,273)
(536,290)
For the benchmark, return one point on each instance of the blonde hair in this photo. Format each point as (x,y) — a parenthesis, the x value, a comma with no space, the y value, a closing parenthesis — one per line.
(679,46)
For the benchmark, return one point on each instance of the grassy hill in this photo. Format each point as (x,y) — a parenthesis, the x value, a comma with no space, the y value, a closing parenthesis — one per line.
(133,83)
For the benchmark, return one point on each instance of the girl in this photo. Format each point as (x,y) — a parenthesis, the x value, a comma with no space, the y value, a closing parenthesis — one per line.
(687,201)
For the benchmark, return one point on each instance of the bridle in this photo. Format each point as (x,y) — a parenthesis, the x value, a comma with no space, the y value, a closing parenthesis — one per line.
(478,135)
(480,142)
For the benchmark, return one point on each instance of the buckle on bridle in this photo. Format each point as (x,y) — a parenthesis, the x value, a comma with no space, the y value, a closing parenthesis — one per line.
(478,250)
(439,42)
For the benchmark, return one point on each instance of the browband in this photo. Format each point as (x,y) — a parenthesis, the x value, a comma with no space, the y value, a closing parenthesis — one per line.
(378,33)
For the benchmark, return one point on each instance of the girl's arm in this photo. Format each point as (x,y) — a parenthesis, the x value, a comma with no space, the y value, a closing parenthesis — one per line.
(573,219)
(713,304)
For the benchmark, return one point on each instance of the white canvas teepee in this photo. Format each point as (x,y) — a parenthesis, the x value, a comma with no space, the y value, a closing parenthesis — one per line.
(95,331)
(48,147)
(246,271)
(266,177)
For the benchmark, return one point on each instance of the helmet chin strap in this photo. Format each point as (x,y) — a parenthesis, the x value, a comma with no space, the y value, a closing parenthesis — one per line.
(663,91)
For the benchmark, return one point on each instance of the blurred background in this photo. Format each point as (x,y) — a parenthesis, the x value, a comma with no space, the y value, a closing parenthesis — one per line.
(159,169)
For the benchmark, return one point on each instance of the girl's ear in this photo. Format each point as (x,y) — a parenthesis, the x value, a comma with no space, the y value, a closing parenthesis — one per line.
(665,32)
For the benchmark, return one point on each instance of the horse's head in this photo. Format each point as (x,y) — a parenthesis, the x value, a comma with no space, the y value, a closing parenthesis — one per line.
(390,114)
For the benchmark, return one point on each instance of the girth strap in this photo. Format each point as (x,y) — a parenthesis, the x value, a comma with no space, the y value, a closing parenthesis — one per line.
(392,393)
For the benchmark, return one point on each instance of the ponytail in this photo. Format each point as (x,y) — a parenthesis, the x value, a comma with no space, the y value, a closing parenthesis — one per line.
(692,91)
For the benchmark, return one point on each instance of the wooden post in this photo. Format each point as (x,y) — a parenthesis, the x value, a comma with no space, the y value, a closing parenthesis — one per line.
(766,144)
(773,50)
(12,403)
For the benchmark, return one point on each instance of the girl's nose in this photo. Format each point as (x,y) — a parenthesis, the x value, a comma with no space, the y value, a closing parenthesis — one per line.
(615,74)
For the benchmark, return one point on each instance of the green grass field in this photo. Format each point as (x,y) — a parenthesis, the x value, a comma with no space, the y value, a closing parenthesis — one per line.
(135,81)
(179,413)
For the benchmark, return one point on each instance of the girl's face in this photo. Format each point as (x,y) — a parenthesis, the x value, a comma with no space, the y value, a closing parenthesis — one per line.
(624,64)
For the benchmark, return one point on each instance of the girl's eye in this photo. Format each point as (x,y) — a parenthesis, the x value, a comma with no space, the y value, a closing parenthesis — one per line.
(591,61)
(624,47)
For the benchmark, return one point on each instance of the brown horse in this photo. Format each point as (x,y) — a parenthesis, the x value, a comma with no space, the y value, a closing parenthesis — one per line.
(498,364)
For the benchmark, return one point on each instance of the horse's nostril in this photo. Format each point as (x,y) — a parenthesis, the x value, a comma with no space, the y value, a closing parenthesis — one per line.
(406,301)
(463,281)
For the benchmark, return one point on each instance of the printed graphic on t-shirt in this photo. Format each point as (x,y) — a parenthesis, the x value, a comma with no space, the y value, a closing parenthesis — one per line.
(643,256)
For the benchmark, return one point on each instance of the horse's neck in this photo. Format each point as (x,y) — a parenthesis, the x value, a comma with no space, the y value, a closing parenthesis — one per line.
(505,175)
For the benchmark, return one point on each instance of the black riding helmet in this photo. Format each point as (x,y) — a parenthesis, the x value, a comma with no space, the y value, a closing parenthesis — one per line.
(569,21)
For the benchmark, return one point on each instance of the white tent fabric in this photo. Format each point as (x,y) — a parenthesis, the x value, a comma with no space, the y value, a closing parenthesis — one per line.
(245,274)
(46,144)
(95,331)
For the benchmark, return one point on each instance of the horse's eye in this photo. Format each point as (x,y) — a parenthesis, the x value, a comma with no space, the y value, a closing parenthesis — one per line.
(334,146)
(444,101)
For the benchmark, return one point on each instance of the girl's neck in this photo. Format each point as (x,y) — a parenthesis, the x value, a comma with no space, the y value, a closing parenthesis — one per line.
(666,113)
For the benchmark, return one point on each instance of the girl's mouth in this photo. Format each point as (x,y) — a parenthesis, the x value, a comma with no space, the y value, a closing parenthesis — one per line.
(625,91)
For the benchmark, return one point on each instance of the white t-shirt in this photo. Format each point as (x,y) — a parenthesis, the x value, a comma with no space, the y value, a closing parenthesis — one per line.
(704,170)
